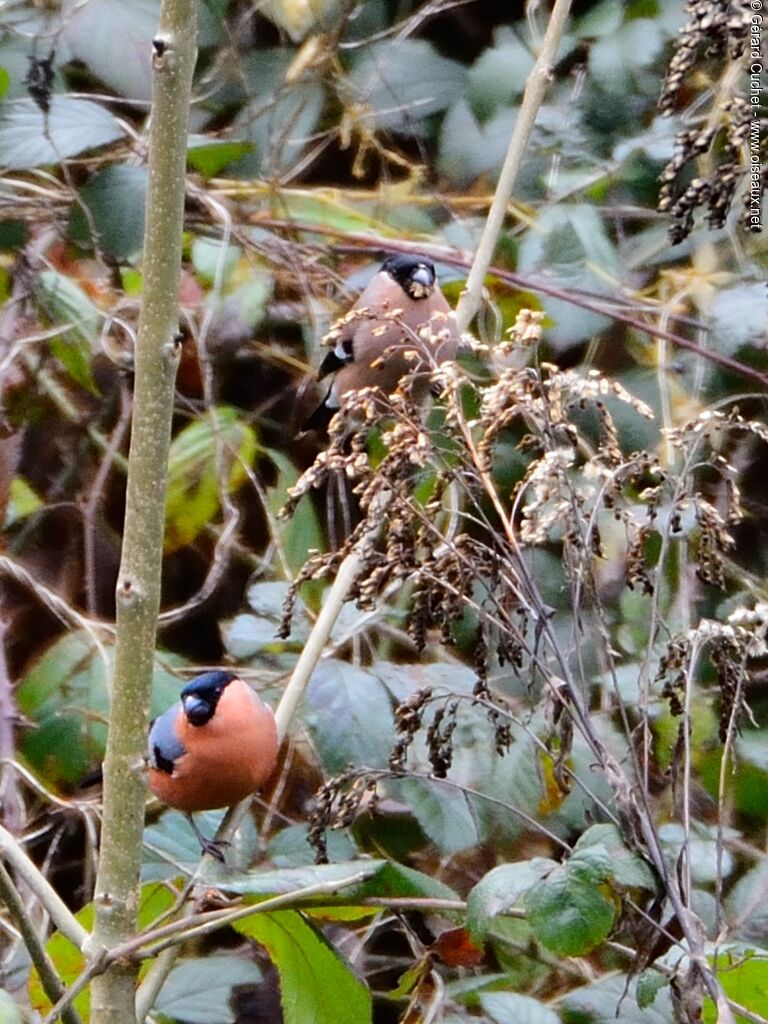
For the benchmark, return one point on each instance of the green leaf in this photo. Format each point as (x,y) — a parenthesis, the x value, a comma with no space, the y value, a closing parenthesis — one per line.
(383,879)
(271,883)
(612,998)
(616,58)
(743,974)
(65,694)
(289,848)
(302,533)
(709,857)
(468,149)
(740,316)
(443,812)
(399,86)
(747,905)
(570,245)
(200,990)
(568,911)
(248,635)
(171,846)
(69,962)
(500,890)
(350,716)
(65,301)
(5,81)
(513,1008)
(500,72)
(116,202)
(211,156)
(278,119)
(23,502)
(649,984)
(209,253)
(114,40)
(192,499)
(627,869)
(316,987)
(28,138)
(9,1011)
(329,211)
(299,19)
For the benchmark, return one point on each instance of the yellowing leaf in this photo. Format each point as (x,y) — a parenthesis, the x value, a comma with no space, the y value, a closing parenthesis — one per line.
(219,444)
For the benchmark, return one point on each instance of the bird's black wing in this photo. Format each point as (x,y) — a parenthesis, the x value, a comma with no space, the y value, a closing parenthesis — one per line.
(336,359)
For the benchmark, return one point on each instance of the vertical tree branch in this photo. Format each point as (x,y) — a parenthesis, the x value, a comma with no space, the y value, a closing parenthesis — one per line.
(138,587)
(535,88)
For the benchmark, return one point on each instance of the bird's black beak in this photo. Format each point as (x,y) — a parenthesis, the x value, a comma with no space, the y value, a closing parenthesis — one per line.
(421,282)
(197,710)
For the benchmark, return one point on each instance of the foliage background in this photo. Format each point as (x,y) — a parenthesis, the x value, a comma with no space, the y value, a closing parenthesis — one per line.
(323,136)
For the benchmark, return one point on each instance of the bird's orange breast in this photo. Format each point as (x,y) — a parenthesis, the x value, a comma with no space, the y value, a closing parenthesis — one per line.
(226,760)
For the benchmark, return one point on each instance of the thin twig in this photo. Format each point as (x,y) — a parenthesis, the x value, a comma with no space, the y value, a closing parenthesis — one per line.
(45,968)
(535,89)
(63,918)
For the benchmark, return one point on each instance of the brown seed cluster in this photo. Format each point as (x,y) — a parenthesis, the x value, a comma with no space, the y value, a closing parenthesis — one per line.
(714,39)
(435,519)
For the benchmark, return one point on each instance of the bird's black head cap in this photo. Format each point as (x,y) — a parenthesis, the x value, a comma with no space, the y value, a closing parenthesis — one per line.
(415,274)
(201,695)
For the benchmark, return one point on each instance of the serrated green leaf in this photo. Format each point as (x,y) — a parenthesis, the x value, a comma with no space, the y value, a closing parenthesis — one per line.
(200,990)
(568,912)
(316,987)
(649,984)
(192,498)
(29,139)
(627,869)
(501,889)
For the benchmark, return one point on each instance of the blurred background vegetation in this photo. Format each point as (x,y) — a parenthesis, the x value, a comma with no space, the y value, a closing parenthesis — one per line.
(323,135)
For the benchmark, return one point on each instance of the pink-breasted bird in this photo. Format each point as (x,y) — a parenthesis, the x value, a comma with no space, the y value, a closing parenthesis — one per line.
(374,345)
(213,748)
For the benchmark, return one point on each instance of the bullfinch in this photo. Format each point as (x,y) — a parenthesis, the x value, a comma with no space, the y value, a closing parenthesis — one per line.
(401,312)
(213,748)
